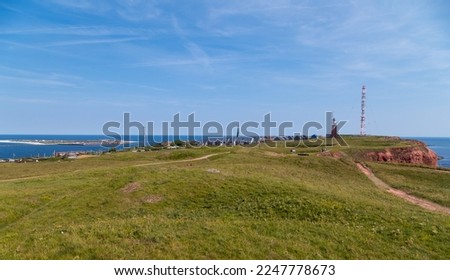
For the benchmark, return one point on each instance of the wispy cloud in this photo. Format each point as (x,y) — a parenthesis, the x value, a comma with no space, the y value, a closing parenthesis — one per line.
(126,52)
(94,41)
(10,8)
(232,8)
(82,30)
(130,10)
(90,6)
(36,101)
(198,54)
(80,4)
(37,81)
(137,10)
(172,61)
(131,85)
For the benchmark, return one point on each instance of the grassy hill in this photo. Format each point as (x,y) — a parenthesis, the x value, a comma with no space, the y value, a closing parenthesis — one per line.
(239,203)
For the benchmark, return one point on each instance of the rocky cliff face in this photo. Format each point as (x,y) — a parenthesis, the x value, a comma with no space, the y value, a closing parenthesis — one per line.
(418,153)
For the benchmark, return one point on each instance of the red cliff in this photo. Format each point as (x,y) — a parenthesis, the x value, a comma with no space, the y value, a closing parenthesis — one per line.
(419,153)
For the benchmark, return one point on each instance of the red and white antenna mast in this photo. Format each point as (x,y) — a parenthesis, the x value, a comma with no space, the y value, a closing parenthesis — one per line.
(363,111)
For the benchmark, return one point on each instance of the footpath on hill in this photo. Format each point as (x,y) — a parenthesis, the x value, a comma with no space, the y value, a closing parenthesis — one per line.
(426,204)
(136,165)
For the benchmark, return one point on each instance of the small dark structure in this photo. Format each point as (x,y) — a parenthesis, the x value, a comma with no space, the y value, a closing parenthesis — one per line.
(334,130)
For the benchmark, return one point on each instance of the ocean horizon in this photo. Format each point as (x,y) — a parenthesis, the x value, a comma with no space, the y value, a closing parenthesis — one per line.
(15,146)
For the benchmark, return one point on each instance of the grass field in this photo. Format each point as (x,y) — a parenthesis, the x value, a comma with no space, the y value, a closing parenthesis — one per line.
(244,203)
(427,183)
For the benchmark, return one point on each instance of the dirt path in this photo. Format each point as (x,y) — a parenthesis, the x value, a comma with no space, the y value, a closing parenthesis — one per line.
(136,165)
(426,204)
(179,161)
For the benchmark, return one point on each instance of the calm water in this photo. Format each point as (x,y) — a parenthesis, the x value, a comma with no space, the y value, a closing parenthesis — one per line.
(9,148)
(440,145)
(23,146)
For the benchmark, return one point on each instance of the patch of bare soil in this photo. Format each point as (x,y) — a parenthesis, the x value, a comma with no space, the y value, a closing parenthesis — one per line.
(364,169)
(153,199)
(86,156)
(213,170)
(336,155)
(131,187)
(273,154)
(426,204)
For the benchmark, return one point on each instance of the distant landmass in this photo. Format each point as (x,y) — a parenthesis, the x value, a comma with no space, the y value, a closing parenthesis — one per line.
(22,146)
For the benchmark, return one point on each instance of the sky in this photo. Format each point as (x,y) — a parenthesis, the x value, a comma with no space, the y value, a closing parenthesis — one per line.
(69,66)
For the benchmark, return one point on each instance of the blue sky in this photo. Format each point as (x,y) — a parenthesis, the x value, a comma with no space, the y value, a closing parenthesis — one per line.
(68,66)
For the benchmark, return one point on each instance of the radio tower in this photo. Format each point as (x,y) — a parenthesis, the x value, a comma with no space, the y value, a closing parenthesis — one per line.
(363,111)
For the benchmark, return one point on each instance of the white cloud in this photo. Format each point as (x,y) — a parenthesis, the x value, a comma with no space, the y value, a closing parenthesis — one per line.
(95,41)
(131,10)
(91,6)
(198,54)
(8,7)
(36,101)
(81,30)
(137,10)
(173,61)
(37,81)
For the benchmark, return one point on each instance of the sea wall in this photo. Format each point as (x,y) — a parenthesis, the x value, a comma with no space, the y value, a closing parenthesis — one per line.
(417,153)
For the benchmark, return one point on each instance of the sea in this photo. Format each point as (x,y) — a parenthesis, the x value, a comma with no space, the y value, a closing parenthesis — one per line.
(440,145)
(40,146)
(26,146)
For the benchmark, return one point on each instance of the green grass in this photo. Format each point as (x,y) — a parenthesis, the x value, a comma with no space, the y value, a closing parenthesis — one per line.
(428,183)
(107,161)
(358,146)
(376,142)
(264,204)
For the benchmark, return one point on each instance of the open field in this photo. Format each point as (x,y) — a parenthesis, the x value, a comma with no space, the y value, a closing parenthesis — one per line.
(243,203)
(427,183)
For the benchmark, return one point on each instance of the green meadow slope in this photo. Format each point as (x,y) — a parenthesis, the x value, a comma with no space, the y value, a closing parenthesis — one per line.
(238,203)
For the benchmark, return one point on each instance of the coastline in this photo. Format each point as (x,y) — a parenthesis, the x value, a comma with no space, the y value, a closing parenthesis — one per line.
(44,146)
(439,145)
(68,142)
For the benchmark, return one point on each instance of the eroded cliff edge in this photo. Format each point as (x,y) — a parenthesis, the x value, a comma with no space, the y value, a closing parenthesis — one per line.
(417,153)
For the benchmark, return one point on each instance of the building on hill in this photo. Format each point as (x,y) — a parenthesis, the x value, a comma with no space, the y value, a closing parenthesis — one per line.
(334,131)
